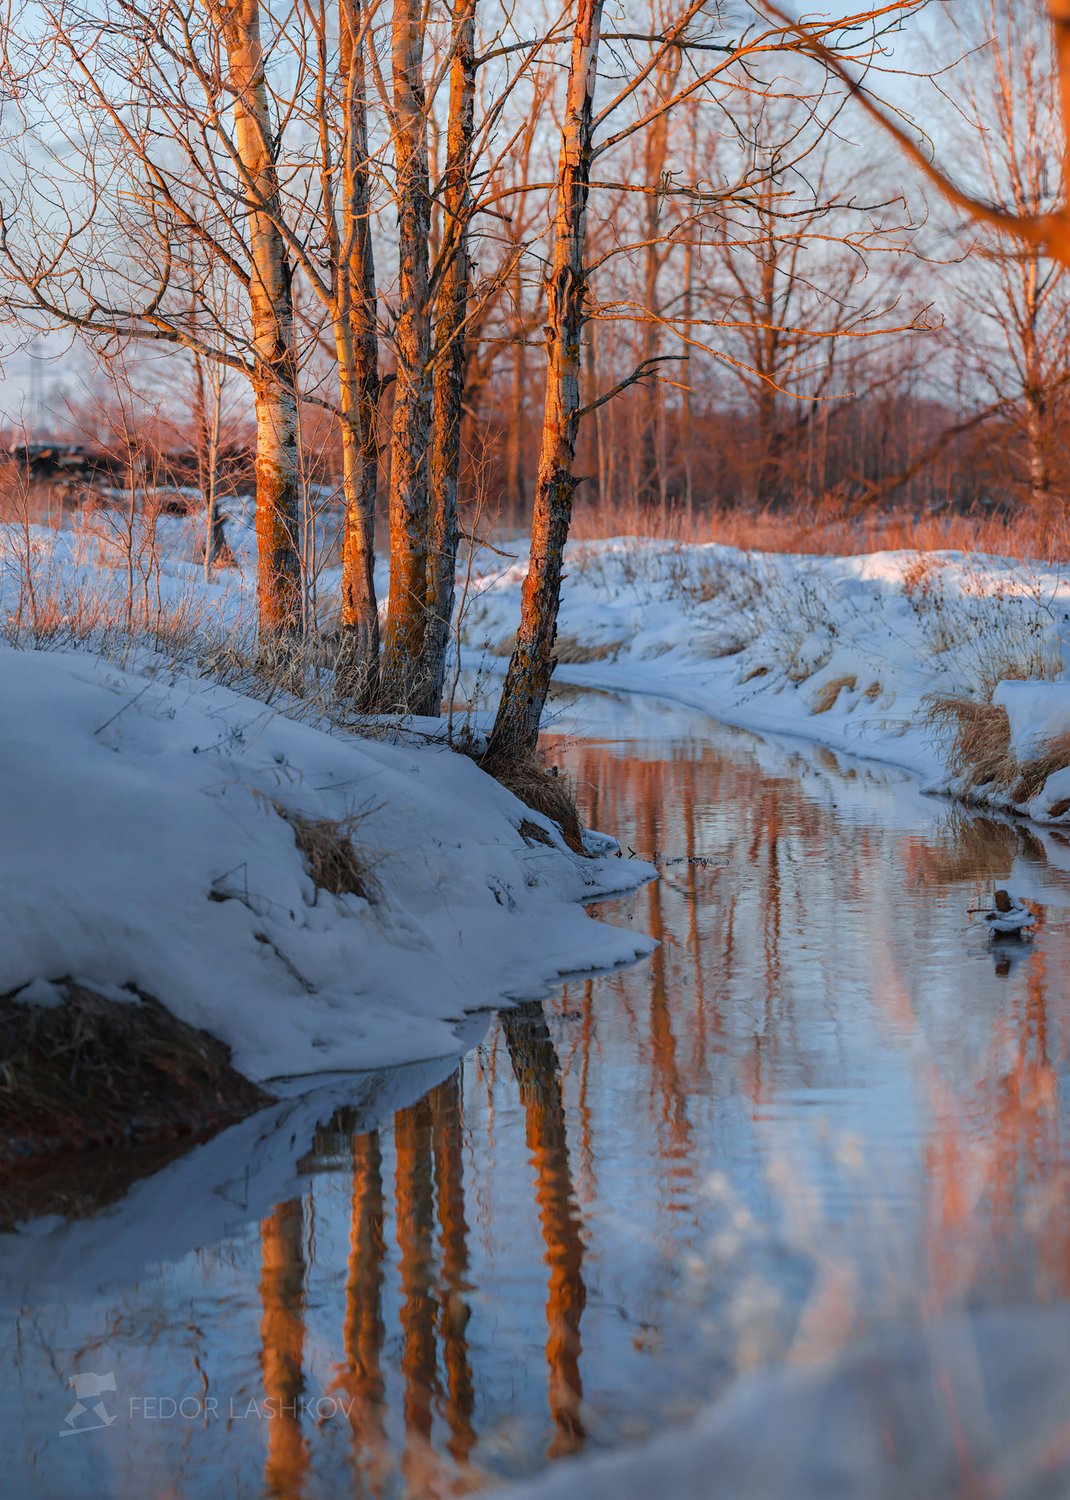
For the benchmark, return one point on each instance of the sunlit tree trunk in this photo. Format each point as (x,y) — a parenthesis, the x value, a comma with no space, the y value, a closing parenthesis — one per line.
(403,654)
(528,679)
(451,308)
(357,348)
(274,376)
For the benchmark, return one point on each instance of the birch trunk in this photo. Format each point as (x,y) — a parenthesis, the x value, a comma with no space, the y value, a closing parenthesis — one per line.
(516,728)
(357,347)
(411,427)
(278,483)
(451,309)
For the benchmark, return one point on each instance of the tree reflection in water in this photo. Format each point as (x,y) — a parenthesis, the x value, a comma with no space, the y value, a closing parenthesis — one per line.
(826,1106)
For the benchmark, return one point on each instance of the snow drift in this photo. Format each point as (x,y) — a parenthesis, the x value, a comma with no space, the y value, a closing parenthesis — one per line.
(147,842)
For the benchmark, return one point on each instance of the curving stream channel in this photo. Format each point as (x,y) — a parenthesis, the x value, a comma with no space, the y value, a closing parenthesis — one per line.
(827,1106)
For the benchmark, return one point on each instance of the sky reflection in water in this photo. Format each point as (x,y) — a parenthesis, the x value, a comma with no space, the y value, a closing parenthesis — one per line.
(826,1106)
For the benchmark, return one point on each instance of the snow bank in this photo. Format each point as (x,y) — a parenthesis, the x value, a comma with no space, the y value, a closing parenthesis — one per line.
(845,651)
(144,843)
(1038,712)
(972,1406)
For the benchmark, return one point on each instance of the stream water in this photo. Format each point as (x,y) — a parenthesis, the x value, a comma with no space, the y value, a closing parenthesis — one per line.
(827,1106)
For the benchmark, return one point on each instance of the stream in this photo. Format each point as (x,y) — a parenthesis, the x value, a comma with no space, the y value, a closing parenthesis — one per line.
(829,1106)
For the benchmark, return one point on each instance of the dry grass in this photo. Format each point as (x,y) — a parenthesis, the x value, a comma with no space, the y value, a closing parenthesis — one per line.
(534,833)
(568,649)
(980,750)
(541,787)
(1034,773)
(826,696)
(828,526)
(326,845)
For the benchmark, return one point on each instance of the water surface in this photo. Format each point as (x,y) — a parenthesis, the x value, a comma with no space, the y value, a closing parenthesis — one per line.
(827,1106)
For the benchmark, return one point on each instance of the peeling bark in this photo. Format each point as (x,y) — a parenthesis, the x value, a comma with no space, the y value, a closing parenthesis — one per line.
(527,682)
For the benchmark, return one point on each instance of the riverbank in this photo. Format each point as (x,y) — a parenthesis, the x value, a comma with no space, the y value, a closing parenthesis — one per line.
(883,656)
(313,899)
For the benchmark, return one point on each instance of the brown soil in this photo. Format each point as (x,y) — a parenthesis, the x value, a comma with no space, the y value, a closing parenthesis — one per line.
(95,1093)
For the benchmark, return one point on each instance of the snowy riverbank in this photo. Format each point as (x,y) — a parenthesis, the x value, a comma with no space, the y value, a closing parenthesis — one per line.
(151,823)
(846,651)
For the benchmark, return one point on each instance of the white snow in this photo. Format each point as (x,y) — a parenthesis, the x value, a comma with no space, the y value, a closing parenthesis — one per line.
(1038,712)
(845,651)
(143,845)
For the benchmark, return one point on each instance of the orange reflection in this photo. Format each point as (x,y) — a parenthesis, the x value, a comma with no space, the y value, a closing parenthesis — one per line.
(282,1296)
(537,1071)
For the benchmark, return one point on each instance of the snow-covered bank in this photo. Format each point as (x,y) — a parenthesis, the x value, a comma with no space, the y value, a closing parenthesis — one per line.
(972,1406)
(847,651)
(149,841)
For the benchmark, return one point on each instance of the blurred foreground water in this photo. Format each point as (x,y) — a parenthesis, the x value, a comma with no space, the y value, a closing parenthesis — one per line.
(827,1110)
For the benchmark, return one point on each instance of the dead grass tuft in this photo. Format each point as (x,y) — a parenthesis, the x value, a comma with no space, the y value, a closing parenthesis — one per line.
(981,741)
(539,786)
(981,751)
(1034,773)
(826,696)
(575,653)
(331,859)
(534,833)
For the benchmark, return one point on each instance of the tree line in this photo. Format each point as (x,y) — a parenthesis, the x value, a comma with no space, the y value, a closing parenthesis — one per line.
(430,236)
